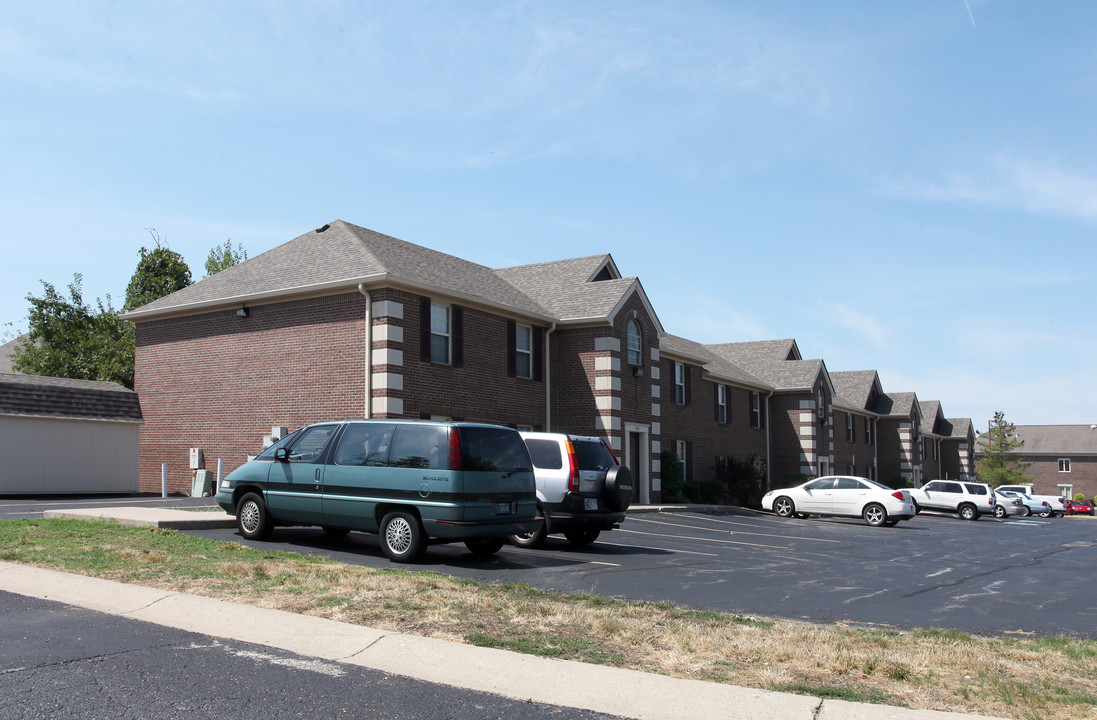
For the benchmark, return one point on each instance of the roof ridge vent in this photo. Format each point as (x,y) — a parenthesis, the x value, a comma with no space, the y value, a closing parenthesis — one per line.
(322,229)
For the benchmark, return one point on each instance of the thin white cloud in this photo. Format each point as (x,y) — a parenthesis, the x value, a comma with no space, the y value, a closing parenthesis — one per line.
(1035,187)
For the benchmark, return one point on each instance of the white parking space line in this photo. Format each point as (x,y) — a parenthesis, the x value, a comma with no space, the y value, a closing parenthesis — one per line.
(706,540)
(659,549)
(737,532)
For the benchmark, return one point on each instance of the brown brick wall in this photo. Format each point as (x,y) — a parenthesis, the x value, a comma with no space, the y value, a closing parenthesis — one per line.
(859,453)
(220,382)
(1082,476)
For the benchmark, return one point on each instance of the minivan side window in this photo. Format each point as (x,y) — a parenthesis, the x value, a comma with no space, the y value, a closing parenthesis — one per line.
(311,443)
(545,454)
(365,444)
(420,446)
(493,450)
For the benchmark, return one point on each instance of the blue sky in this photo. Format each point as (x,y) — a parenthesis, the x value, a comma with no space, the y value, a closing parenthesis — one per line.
(905,187)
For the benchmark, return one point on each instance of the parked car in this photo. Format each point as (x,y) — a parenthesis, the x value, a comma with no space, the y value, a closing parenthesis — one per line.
(842,495)
(1056,504)
(1080,507)
(969,500)
(1006,506)
(581,488)
(1032,505)
(411,482)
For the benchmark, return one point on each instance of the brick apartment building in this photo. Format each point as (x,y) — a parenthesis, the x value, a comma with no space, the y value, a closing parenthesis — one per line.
(344,322)
(1063,457)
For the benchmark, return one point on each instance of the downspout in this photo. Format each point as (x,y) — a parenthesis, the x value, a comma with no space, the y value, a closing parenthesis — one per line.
(369,352)
(876,450)
(548,379)
(769,467)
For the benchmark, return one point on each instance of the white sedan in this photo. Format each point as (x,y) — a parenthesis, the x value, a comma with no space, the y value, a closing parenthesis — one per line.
(843,495)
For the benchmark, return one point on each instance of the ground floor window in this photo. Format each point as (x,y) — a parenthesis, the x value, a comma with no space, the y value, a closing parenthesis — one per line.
(1066,491)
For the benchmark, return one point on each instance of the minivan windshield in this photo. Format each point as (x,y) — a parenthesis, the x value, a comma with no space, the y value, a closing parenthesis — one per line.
(493,449)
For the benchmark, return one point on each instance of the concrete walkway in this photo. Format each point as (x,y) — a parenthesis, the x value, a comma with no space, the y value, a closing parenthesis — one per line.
(626,693)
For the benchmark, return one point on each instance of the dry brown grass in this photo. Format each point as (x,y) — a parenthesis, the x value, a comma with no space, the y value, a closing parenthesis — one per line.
(937,670)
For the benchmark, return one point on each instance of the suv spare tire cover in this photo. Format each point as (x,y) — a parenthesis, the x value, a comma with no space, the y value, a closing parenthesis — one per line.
(619,488)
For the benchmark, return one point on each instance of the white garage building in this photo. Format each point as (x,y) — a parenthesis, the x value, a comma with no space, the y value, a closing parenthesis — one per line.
(61,436)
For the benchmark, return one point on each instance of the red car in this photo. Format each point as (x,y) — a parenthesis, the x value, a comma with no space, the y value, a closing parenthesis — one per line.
(1080,507)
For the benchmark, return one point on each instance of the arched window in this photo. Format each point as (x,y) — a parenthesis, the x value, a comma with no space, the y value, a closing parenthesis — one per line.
(634,343)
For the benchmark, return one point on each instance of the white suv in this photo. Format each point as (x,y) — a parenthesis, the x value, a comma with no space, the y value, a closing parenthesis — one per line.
(581,488)
(969,500)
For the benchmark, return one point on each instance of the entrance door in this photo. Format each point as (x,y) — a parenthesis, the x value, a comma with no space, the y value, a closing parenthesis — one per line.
(634,463)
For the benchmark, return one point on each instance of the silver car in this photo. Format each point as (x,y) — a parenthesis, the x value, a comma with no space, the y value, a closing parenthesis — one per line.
(1006,506)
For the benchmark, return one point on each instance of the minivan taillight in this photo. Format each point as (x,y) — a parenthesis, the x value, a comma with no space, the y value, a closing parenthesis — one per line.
(454,449)
(573,468)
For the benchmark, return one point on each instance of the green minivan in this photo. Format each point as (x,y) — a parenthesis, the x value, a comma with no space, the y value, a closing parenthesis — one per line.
(411,482)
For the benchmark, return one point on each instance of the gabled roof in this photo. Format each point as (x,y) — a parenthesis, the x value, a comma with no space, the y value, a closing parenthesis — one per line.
(759,351)
(1060,440)
(959,428)
(902,404)
(37,396)
(578,289)
(854,389)
(339,257)
(767,361)
(715,366)
(932,417)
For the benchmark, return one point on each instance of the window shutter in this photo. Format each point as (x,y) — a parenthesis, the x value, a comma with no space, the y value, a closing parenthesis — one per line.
(538,354)
(512,340)
(457,317)
(424,329)
(689,390)
(672,380)
(689,460)
(716,402)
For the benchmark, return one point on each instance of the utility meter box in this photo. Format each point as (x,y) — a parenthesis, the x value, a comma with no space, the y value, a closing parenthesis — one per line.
(201,483)
(197,462)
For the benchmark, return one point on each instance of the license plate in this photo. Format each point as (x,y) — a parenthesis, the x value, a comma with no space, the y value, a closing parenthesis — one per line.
(590,503)
(503,508)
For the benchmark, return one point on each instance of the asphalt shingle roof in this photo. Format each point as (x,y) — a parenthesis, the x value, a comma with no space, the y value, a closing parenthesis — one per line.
(1063,440)
(714,364)
(896,403)
(854,388)
(37,396)
(766,361)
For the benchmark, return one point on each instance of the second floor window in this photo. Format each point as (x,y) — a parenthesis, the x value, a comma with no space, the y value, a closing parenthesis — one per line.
(1064,465)
(679,384)
(721,404)
(634,343)
(440,334)
(849,430)
(821,409)
(757,416)
(523,351)
(868,431)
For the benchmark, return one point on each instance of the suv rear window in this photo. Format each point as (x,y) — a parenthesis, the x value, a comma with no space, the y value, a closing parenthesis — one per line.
(493,449)
(593,455)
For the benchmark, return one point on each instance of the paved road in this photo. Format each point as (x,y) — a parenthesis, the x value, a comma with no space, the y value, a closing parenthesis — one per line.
(57,661)
(987,577)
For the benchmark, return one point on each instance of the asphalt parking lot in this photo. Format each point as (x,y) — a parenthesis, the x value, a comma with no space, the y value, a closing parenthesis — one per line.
(990,576)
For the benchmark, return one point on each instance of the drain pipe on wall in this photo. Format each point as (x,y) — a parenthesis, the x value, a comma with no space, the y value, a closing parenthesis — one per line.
(548,379)
(369,352)
(769,479)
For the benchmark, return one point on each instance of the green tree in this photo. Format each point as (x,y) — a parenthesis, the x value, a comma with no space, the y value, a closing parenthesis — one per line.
(999,464)
(159,272)
(223,256)
(68,338)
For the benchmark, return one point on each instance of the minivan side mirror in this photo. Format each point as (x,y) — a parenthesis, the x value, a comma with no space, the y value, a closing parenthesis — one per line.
(281,454)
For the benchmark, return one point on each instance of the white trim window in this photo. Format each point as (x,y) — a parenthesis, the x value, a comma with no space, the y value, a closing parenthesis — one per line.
(635,343)
(523,351)
(682,450)
(868,432)
(1064,465)
(441,335)
(679,383)
(850,431)
(756,418)
(1066,491)
(821,405)
(722,404)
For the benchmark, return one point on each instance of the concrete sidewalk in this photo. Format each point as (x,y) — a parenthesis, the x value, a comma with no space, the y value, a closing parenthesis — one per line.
(626,693)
